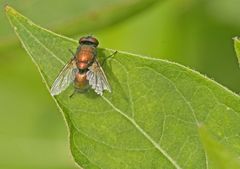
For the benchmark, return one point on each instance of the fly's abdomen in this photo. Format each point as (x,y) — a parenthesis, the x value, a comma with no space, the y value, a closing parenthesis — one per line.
(81,81)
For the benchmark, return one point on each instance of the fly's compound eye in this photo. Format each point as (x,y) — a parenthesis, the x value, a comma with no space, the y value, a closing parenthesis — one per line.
(89,40)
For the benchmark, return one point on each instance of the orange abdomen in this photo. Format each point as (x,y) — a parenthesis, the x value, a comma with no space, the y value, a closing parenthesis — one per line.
(81,80)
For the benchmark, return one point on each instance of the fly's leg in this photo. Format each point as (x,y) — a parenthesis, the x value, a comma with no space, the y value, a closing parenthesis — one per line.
(71,52)
(105,59)
(74,92)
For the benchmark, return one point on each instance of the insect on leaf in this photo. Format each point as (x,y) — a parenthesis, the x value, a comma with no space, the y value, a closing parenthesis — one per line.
(149,120)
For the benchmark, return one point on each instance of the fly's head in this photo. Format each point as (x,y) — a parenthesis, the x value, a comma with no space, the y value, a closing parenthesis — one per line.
(88,40)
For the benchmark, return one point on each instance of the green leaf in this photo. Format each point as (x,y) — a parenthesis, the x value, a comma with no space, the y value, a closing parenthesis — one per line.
(237,47)
(219,155)
(151,118)
(107,13)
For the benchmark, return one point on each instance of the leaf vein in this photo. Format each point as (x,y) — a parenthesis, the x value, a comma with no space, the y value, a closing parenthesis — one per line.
(40,43)
(156,145)
(108,145)
(177,90)
(78,149)
(129,90)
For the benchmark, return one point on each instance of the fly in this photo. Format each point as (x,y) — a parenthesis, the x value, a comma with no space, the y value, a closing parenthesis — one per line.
(83,70)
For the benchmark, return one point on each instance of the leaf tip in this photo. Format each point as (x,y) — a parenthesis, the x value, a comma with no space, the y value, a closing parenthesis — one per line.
(10,10)
(7,8)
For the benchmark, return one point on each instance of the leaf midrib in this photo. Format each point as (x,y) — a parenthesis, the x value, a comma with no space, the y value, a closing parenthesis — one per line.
(133,122)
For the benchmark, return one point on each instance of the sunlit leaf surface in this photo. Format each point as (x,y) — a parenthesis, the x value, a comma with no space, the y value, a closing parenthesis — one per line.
(151,118)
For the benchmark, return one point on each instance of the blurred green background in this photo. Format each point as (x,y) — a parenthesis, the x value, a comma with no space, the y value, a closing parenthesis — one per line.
(195,33)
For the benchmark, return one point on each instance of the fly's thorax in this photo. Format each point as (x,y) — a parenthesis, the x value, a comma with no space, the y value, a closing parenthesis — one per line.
(85,56)
(82,65)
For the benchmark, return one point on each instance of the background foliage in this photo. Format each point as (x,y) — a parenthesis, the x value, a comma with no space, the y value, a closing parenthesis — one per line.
(196,33)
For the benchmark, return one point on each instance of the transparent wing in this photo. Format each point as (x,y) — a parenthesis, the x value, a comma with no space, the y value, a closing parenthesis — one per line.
(65,77)
(97,78)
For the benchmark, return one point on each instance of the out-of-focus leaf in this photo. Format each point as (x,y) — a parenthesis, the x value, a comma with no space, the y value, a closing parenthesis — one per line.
(71,17)
(107,14)
(151,118)
(218,154)
(224,11)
